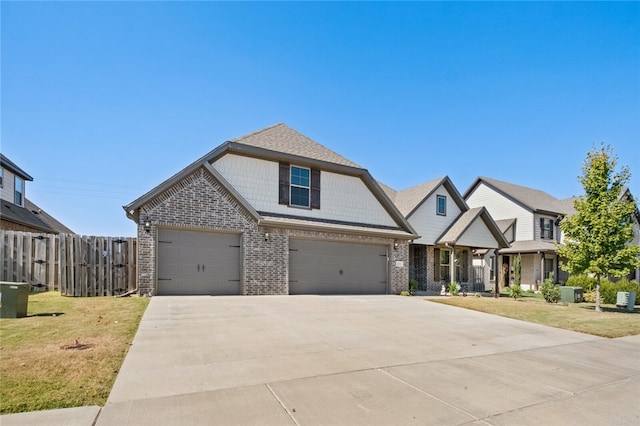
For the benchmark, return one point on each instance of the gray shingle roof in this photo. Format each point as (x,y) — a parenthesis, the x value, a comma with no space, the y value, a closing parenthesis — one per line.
(283,139)
(409,199)
(51,221)
(13,168)
(529,246)
(504,224)
(534,199)
(456,230)
(22,216)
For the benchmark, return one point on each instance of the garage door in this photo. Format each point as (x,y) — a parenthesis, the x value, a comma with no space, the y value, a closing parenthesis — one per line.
(325,267)
(191,262)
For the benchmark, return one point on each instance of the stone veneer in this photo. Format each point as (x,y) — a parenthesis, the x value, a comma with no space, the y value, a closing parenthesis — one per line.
(199,202)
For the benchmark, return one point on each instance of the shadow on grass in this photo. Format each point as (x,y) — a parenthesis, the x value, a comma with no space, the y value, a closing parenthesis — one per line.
(611,309)
(47,314)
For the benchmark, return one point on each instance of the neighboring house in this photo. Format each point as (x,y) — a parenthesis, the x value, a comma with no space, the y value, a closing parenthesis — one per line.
(272,212)
(529,219)
(17,213)
(450,234)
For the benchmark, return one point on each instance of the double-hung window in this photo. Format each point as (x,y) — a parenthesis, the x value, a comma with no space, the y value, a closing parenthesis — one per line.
(546,228)
(18,192)
(1,177)
(300,187)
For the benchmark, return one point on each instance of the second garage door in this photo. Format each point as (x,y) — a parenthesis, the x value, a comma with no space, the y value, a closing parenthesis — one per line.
(192,262)
(327,267)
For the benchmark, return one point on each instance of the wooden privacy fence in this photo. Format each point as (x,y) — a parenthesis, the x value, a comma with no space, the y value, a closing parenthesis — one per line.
(77,265)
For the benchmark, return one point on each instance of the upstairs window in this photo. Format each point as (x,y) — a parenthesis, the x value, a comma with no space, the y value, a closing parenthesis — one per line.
(1,177)
(546,228)
(441,205)
(299,186)
(19,192)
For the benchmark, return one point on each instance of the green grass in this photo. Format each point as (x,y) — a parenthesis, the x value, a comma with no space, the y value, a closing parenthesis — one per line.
(67,352)
(582,317)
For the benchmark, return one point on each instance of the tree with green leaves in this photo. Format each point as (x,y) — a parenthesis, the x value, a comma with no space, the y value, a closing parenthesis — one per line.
(597,238)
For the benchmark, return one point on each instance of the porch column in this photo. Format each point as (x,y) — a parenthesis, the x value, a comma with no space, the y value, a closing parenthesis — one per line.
(542,267)
(452,264)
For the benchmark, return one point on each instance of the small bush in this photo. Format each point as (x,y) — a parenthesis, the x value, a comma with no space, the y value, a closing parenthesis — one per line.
(515,291)
(454,288)
(590,296)
(587,283)
(413,286)
(609,290)
(550,291)
(405,293)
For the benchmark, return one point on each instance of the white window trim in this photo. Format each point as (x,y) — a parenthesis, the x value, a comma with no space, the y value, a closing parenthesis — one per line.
(16,192)
(292,185)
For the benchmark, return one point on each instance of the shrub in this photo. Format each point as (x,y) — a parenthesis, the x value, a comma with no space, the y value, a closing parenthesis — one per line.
(590,296)
(515,291)
(453,288)
(413,286)
(405,293)
(586,282)
(550,291)
(609,290)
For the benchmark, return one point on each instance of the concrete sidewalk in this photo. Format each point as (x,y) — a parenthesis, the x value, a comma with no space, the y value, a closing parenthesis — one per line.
(374,360)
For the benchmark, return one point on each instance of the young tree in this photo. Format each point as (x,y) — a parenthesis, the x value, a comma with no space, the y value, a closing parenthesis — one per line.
(597,238)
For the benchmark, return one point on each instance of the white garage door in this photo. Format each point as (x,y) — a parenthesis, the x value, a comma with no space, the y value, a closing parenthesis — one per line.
(192,262)
(326,267)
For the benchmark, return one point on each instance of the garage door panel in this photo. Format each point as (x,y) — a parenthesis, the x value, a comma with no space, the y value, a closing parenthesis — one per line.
(192,262)
(326,267)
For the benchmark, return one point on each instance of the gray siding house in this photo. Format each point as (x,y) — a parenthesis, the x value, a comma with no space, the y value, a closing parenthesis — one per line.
(271,212)
(451,233)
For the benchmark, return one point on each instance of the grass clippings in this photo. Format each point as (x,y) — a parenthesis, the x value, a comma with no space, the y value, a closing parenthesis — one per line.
(581,317)
(67,352)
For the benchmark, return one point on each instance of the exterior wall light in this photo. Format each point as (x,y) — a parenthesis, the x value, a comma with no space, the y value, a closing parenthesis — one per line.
(395,244)
(266,236)
(147,225)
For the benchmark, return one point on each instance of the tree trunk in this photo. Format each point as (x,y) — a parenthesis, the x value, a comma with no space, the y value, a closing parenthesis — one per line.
(598,294)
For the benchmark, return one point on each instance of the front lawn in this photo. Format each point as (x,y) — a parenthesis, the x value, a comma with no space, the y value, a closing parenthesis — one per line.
(67,352)
(582,317)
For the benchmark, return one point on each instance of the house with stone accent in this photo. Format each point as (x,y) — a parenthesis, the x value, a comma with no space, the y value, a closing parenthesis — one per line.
(530,221)
(17,213)
(271,212)
(450,232)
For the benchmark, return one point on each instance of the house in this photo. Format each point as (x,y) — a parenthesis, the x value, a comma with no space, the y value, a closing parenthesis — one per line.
(450,234)
(17,213)
(529,219)
(271,212)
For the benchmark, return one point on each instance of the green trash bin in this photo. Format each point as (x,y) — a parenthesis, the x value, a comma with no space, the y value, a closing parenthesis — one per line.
(571,294)
(14,298)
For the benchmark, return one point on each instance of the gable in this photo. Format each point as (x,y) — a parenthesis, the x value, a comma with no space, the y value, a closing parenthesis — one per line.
(343,197)
(478,235)
(425,220)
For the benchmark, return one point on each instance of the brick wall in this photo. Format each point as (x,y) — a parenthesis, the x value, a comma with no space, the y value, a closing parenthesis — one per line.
(200,202)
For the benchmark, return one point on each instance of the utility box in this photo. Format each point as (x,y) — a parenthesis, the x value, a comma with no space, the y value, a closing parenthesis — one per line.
(626,299)
(571,294)
(14,298)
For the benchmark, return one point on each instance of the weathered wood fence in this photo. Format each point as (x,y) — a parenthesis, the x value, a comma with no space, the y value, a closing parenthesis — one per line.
(77,265)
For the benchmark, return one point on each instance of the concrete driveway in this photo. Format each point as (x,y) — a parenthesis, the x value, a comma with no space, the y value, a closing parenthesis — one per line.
(365,360)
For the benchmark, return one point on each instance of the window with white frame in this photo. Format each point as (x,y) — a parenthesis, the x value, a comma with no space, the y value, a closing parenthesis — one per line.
(441,205)
(300,186)
(1,177)
(19,191)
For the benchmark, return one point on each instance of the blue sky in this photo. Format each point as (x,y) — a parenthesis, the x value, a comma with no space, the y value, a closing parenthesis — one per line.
(102,101)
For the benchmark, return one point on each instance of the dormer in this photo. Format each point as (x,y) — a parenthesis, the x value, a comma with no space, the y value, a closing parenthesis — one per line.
(12,182)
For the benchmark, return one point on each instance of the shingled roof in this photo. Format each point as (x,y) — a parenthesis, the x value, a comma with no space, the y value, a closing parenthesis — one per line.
(408,200)
(17,214)
(283,139)
(532,199)
(464,221)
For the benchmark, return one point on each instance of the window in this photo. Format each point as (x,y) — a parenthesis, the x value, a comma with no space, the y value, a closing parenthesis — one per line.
(548,268)
(445,261)
(546,228)
(300,186)
(441,205)
(1,177)
(19,192)
(492,268)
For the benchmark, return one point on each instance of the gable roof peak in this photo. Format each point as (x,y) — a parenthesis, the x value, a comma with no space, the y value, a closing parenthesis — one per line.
(283,139)
(531,198)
